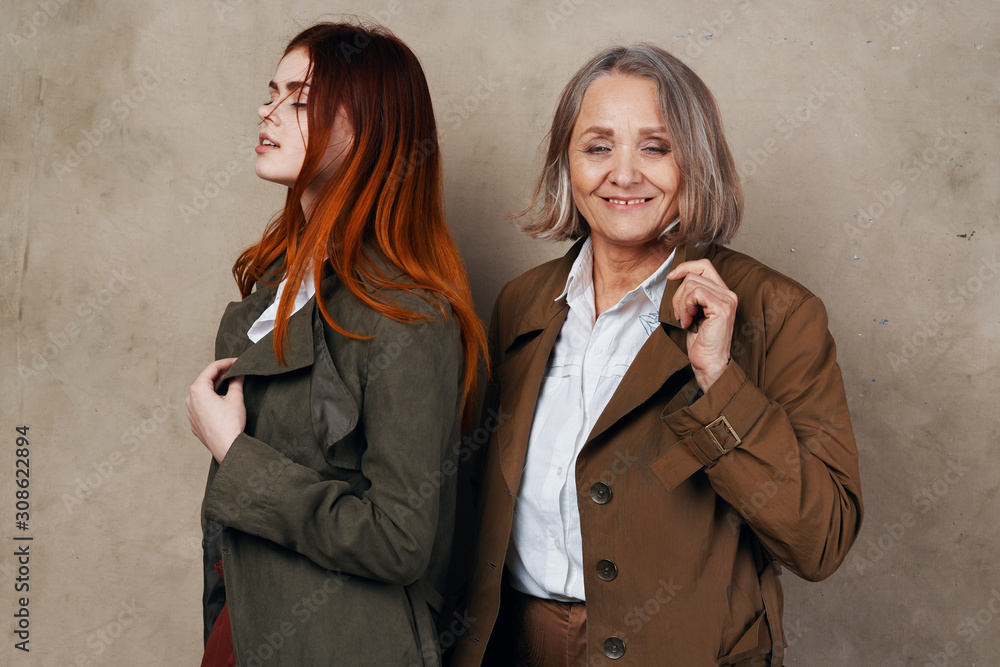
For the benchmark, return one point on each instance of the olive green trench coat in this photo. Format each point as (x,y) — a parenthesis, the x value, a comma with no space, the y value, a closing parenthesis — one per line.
(689,503)
(330,512)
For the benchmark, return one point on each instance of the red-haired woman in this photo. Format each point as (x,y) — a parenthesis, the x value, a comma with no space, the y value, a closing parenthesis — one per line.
(346,369)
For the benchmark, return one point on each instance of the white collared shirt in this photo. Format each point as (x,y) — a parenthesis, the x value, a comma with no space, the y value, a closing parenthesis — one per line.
(588,360)
(265,323)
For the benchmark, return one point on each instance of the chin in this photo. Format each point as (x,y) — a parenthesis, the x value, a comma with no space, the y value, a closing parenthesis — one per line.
(264,176)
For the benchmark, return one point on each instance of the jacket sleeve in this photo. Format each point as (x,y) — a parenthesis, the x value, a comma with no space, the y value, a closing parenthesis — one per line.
(782,453)
(386,533)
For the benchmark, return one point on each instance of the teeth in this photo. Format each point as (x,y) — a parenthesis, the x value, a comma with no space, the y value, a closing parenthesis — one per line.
(266,142)
(627,202)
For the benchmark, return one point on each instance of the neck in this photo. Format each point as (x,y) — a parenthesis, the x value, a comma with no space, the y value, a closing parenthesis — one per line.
(620,269)
(307,201)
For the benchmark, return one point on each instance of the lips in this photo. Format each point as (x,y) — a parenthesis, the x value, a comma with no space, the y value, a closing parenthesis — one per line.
(632,201)
(266,145)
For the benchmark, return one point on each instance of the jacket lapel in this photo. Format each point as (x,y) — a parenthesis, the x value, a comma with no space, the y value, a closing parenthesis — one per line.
(660,357)
(259,358)
(522,370)
(521,380)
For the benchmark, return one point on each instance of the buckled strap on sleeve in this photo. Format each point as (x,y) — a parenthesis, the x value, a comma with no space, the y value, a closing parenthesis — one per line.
(720,436)
(701,448)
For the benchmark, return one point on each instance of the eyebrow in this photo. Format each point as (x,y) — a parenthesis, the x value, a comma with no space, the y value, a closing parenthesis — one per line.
(292,85)
(608,132)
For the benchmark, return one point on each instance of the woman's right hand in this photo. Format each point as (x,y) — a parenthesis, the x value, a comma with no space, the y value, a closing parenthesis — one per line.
(216,420)
(703,297)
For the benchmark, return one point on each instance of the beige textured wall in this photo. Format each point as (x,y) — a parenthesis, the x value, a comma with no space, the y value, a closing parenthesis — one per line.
(867,134)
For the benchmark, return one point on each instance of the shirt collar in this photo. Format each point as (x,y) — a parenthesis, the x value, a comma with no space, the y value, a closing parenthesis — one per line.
(654,285)
(581,274)
(581,278)
(265,323)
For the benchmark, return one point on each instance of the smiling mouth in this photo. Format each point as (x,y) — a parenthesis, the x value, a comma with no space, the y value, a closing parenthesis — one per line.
(627,202)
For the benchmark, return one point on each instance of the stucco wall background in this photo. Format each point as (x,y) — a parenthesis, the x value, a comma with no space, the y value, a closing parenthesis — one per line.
(866,134)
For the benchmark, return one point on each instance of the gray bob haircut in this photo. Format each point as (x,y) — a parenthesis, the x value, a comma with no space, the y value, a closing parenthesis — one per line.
(711,200)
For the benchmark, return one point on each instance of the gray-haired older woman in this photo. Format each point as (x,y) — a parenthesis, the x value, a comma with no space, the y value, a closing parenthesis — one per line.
(672,420)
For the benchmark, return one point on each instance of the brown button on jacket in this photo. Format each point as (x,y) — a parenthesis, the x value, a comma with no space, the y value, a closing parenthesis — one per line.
(688,502)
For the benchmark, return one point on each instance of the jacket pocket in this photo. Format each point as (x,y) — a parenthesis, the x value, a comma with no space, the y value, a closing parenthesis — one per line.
(756,641)
(333,409)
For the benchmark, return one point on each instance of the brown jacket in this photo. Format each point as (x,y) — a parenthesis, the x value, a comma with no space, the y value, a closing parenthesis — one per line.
(687,502)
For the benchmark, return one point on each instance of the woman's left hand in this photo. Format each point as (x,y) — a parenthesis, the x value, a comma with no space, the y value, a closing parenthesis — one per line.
(703,298)
(216,420)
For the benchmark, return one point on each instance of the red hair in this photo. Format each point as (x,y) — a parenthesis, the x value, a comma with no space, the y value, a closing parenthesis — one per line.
(385,197)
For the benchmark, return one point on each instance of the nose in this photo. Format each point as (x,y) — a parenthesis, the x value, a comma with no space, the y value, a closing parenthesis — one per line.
(266,112)
(624,170)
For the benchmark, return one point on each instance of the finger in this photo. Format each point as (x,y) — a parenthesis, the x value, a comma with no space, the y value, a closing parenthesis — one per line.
(688,299)
(679,305)
(235,389)
(700,267)
(206,376)
(222,366)
(694,281)
(213,372)
(697,301)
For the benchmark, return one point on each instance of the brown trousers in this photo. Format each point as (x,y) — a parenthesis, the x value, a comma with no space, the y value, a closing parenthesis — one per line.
(548,633)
